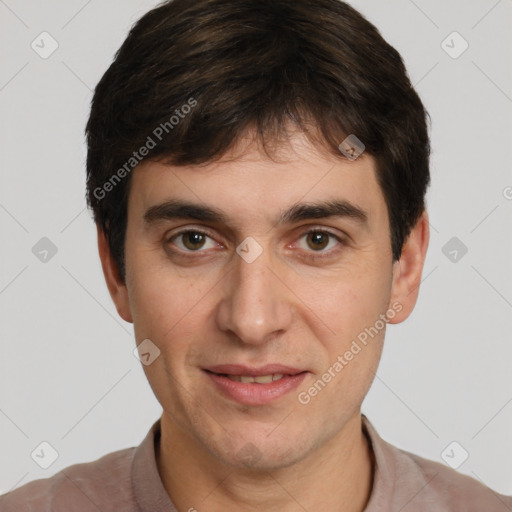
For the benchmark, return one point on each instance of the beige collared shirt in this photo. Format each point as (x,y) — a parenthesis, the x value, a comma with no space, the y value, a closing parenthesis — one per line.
(128,481)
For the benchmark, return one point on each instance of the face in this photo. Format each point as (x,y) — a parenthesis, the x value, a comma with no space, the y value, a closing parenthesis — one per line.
(250,282)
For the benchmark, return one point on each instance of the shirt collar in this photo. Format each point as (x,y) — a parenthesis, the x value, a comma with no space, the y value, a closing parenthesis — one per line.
(151,495)
(147,484)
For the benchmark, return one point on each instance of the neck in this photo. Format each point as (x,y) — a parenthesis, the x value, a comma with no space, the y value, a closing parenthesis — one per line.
(337,476)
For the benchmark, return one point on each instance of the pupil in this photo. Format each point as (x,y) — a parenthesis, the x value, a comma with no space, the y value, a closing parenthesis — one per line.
(318,238)
(194,240)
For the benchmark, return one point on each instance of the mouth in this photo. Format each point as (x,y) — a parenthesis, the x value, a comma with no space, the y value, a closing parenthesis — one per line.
(254,385)
(258,379)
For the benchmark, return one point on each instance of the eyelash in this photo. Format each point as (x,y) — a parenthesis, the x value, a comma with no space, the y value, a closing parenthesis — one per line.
(315,255)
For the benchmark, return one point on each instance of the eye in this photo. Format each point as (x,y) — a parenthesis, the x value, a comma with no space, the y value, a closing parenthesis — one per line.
(192,240)
(320,240)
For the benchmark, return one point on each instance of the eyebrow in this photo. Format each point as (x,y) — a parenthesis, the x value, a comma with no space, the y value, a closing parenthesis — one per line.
(180,209)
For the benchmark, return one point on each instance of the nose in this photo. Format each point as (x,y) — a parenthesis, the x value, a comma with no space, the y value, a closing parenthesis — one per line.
(256,304)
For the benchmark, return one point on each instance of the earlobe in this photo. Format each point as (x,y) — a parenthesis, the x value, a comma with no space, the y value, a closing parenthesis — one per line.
(408,270)
(116,286)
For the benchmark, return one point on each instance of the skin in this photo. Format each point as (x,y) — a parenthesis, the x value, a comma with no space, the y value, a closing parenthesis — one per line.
(212,307)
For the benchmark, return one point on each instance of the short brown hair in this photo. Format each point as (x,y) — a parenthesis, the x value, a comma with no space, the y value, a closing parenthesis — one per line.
(245,64)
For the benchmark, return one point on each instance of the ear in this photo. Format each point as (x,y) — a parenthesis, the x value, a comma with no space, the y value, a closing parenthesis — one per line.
(116,286)
(408,269)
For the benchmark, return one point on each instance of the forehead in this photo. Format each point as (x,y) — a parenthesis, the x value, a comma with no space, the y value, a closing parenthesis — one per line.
(246,183)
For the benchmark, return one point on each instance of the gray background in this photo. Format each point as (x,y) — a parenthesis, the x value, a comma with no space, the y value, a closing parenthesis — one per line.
(67,372)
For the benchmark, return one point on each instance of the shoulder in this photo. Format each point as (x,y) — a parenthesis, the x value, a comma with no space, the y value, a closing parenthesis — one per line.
(406,482)
(448,490)
(103,484)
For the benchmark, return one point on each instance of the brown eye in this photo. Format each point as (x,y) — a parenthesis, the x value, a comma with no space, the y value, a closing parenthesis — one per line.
(320,243)
(192,241)
(317,240)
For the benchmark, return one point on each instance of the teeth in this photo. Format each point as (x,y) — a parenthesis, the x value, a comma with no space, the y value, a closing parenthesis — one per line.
(263,379)
(260,379)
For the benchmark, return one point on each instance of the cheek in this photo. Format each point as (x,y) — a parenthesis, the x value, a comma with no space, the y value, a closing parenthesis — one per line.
(352,302)
(354,351)
(168,309)
(353,311)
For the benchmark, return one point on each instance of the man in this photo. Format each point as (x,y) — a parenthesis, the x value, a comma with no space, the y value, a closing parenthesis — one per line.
(257,173)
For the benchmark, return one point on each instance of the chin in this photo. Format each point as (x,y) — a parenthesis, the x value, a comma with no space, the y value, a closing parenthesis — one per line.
(260,452)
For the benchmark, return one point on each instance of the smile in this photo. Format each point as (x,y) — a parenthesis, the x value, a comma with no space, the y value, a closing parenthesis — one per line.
(259,379)
(254,386)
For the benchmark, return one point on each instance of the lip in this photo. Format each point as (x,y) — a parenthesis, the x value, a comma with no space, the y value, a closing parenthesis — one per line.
(254,393)
(238,369)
